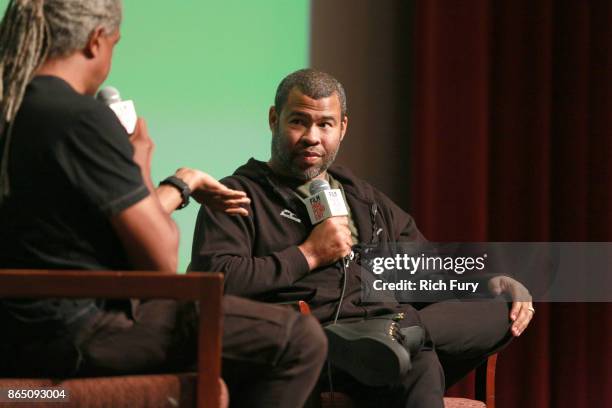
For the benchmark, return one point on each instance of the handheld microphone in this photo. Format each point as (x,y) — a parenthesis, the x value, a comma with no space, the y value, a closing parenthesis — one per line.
(125,110)
(324,202)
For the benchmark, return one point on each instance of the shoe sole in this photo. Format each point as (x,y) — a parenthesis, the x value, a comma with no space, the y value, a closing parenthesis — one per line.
(369,360)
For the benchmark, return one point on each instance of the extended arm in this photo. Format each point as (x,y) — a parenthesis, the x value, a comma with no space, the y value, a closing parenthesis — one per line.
(148,233)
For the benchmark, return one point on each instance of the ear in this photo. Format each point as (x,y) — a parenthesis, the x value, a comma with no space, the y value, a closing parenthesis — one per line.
(272,118)
(343,126)
(92,48)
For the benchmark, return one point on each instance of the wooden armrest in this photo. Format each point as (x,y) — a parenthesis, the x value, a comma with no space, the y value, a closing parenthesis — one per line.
(207,288)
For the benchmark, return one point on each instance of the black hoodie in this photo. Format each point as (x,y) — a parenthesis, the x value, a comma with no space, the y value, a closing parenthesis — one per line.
(259,254)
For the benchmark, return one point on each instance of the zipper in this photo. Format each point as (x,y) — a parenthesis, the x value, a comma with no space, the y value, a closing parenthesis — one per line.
(375,229)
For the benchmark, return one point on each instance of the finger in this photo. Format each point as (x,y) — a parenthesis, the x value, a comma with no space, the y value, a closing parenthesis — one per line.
(228,194)
(520,327)
(237,211)
(224,196)
(214,187)
(517,323)
(349,243)
(222,204)
(241,203)
(234,202)
(522,320)
(141,125)
(237,193)
(514,311)
(226,191)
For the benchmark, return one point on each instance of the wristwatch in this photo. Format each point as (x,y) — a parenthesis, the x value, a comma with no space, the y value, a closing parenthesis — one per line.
(181,186)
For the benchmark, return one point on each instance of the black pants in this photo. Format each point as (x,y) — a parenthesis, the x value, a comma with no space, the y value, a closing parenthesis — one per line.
(272,356)
(463,335)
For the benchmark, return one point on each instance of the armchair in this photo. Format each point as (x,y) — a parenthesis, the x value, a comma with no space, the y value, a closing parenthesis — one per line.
(201,389)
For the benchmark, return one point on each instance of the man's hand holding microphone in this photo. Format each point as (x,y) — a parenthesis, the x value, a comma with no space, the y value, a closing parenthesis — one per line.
(330,240)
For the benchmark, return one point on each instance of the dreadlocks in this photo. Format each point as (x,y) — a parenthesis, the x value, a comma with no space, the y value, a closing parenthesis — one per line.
(32,31)
(22,49)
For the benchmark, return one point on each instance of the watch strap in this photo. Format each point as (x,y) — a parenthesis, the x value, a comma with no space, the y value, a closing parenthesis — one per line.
(181,186)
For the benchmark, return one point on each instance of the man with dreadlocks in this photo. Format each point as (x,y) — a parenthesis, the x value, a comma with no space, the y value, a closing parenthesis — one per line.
(76,193)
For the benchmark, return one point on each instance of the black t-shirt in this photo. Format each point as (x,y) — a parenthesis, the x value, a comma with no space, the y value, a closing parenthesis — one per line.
(70,170)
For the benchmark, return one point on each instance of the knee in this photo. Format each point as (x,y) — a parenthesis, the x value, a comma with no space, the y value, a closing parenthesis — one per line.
(307,340)
(467,329)
(494,333)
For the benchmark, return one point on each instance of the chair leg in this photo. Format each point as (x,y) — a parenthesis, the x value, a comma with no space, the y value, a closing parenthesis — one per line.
(485,381)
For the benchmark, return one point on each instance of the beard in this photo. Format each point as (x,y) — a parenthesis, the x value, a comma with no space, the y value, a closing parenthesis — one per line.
(285,160)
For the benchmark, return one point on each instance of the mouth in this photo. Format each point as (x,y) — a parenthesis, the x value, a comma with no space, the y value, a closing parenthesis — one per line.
(309,156)
(310,153)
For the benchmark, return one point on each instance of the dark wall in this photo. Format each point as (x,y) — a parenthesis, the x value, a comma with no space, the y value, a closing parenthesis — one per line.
(367,45)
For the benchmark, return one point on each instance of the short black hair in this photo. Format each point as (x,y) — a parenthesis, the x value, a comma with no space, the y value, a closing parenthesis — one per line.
(312,83)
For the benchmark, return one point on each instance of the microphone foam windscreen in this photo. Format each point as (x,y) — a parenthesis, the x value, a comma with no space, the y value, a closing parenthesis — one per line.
(318,185)
(108,95)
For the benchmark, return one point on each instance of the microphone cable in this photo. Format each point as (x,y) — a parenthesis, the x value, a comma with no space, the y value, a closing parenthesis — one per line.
(343,265)
(344,262)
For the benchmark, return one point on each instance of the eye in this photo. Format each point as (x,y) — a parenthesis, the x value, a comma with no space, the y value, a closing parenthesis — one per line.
(325,125)
(296,121)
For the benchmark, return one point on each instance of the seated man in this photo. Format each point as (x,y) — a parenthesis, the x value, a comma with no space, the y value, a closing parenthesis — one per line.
(275,254)
(76,193)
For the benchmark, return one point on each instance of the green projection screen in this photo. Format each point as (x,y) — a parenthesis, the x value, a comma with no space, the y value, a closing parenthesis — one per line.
(203,75)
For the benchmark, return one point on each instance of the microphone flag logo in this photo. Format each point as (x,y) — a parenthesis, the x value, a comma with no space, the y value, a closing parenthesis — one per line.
(318,209)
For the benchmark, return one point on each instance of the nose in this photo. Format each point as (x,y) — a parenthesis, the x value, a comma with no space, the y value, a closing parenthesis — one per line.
(311,136)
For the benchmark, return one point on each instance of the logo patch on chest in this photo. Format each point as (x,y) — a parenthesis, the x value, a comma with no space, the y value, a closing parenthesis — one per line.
(288,214)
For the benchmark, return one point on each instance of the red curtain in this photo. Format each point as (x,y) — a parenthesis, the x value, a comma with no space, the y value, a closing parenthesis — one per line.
(513,143)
